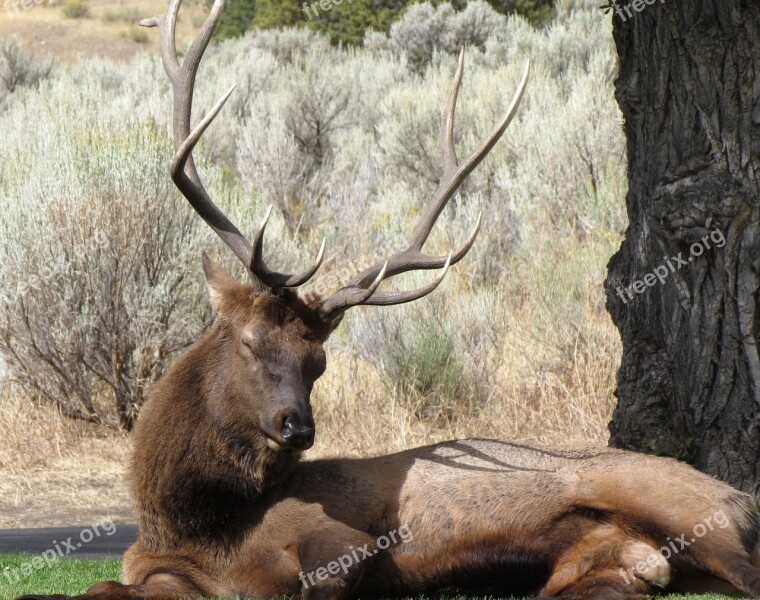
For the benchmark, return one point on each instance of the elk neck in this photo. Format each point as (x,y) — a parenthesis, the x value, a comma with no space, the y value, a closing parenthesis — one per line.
(198,467)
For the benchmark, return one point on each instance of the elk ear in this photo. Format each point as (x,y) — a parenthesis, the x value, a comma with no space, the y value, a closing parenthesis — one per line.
(219,282)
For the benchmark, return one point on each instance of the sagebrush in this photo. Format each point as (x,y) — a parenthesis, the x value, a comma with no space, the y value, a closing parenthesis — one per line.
(99,254)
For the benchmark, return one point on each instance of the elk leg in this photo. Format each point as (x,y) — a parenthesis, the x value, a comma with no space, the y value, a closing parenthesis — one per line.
(333,562)
(722,551)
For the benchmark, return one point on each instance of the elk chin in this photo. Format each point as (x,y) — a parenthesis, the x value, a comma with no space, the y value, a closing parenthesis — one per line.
(274,445)
(254,459)
(279,448)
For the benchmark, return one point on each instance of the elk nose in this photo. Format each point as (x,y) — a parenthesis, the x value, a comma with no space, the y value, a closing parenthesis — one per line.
(298,432)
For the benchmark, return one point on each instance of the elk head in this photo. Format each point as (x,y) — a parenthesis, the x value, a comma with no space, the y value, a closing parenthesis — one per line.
(274,336)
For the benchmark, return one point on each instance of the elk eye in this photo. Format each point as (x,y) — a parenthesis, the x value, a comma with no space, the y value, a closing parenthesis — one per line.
(274,376)
(250,342)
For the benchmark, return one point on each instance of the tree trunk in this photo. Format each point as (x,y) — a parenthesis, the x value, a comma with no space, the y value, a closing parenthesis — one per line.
(683,288)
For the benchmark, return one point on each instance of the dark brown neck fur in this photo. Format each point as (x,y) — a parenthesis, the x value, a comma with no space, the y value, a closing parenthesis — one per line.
(196,478)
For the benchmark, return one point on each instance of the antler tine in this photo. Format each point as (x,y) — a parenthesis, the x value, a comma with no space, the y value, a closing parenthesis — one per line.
(183,171)
(169,23)
(391,298)
(412,258)
(451,181)
(273,279)
(448,152)
(354,296)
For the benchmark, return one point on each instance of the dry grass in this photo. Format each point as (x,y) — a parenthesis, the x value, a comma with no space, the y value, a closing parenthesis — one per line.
(58,472)
(554,384)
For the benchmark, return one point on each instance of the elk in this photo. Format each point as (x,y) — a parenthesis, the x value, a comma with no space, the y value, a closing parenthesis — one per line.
(227,507)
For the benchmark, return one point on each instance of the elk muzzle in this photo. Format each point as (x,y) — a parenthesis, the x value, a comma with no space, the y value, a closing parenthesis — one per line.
(291,429)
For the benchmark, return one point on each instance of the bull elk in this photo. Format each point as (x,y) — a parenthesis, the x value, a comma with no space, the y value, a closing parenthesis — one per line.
(227,508)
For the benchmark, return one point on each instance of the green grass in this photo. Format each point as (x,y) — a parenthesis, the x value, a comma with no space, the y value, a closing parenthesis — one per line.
(72,576)
(66,576)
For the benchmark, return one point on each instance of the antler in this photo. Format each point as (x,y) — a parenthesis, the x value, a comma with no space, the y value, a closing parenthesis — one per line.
(362,289)
(183,171)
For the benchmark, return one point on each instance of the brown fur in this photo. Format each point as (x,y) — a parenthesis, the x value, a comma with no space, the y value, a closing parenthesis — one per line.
(222,513)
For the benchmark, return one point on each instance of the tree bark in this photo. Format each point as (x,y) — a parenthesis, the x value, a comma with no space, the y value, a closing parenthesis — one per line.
(689,90)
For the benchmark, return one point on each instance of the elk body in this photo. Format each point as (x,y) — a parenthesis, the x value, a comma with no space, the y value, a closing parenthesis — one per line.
(227,508)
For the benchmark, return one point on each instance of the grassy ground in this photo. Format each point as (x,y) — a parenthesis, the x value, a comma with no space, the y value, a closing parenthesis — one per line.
(70,576)
(43,455)
(109,29)
(64,576)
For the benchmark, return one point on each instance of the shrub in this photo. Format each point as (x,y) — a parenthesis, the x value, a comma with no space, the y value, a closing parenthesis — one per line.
(92,312)
(272,164)
(99,253)
(440,357)
(18,68)
(278,13)
(136,34)
(418,356)
(428,364)
(76,9)
(345,143)
(537,12)
(346,22)
(425,29)
(316,104)
(288,146)
(285,45)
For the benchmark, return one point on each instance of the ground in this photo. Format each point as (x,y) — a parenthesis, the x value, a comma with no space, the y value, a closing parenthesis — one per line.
(110,30)
(44,457)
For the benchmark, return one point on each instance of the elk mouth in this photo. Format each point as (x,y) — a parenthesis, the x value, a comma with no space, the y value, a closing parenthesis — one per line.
(273,444)
(288,447)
